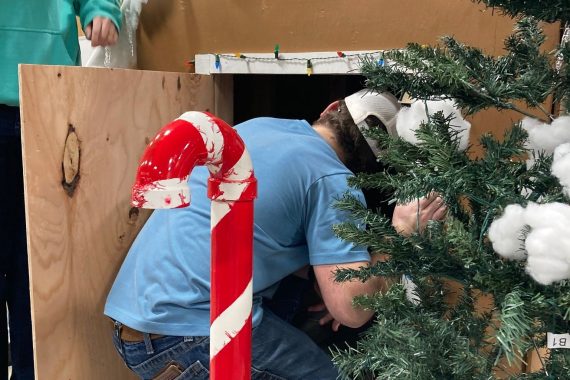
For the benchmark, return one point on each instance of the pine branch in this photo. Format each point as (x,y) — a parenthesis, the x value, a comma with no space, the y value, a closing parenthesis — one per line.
(433,338)
(474,80)
(562,93)
(514,327)
(546,10)
(407,343)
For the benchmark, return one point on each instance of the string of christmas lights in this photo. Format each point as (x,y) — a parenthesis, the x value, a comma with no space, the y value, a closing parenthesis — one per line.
(309,62)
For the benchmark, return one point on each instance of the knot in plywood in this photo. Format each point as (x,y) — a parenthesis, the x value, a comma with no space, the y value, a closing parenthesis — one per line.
(70,162)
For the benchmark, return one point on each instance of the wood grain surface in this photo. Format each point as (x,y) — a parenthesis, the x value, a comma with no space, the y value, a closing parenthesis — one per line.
(77,239)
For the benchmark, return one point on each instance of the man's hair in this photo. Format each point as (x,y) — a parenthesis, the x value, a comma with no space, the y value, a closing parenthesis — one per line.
(358,156)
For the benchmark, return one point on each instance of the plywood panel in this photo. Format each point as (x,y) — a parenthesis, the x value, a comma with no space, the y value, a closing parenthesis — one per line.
(77,243)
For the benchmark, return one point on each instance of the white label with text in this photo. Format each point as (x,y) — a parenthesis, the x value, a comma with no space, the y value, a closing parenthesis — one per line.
(558,340)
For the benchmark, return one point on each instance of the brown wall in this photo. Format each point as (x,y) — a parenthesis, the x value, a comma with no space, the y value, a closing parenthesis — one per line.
(173,31)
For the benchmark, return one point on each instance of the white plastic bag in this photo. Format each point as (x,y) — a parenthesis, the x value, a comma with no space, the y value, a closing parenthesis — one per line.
(124,53)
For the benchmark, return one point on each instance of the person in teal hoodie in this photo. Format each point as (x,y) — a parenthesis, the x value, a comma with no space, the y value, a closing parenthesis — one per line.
(40,32)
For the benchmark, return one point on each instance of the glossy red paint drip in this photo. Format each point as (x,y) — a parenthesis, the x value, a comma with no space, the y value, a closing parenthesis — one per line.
(202,139)
(170,155)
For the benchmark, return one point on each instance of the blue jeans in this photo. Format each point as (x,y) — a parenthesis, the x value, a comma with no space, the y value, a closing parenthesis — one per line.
(14,283)
(279,351)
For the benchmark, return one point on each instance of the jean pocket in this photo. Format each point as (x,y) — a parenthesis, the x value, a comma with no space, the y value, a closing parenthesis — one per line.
(195,371)
(185,353)
(174,371)
(257,374)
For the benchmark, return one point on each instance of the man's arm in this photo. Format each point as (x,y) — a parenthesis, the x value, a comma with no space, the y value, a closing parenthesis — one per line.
(338,296)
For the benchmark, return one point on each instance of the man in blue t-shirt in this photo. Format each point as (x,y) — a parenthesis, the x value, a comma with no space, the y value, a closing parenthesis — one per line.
(160,300)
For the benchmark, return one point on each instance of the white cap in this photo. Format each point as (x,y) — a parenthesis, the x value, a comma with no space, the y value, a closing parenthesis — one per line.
(366,103)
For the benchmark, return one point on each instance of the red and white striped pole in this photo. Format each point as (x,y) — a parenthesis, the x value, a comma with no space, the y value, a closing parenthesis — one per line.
(198,138)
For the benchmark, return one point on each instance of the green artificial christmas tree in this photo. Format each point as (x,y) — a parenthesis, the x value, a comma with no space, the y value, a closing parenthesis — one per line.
(506,237)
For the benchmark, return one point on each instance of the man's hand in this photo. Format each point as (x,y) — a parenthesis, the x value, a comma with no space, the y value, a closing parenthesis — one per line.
(101,32)
(326,318)
(405,218)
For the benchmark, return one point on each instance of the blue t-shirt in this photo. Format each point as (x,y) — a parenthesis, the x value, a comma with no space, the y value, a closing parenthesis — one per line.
(163,286)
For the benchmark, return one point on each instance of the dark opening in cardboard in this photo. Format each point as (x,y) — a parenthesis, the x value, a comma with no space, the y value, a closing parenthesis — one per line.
(289,96)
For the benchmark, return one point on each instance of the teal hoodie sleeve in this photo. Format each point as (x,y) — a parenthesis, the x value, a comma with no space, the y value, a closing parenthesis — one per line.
(89,9)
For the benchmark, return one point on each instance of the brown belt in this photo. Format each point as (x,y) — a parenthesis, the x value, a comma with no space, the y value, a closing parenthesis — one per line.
(131,335)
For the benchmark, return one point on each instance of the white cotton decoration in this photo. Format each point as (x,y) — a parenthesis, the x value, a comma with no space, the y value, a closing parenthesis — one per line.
(410,118)
(544,137)
(561,166)
(506,233)
(548,215)
(529,124)
(548,256)
(547,244)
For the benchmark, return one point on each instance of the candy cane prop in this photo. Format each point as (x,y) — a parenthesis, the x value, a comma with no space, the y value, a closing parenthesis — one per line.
(198,138)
